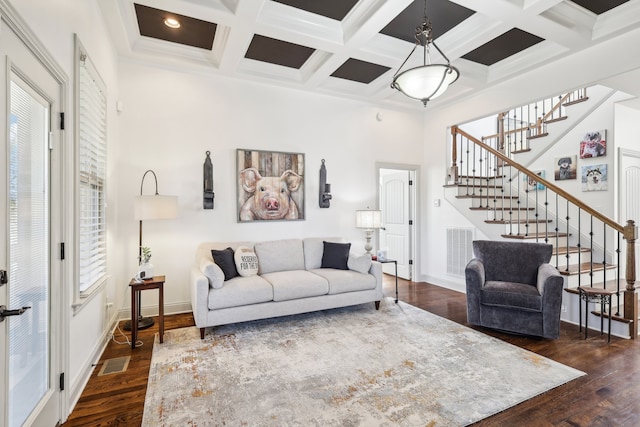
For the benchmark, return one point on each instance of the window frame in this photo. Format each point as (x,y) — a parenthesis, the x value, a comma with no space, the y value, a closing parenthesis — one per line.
(91,179)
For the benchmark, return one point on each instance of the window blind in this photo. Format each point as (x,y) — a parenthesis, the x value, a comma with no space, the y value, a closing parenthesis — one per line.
(92,142)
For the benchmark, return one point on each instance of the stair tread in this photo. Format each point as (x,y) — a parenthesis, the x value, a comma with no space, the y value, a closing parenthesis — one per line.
(524,150)
(609,284)
(481,177)
(517,221)
(499,208)
(540,135)
(497,187)
(584,267)
(557,119)
(485,196)
(563,250)
(534,235)
(576,101)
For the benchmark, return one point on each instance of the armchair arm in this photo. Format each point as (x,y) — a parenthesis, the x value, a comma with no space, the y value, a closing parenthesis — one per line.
(550,284)
(548,277)
(474,278)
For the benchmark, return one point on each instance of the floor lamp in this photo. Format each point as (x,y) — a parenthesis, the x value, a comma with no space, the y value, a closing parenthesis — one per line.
(369,220)
(147,208)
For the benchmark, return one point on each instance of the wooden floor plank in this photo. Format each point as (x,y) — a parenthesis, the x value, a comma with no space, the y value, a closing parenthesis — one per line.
(606,396)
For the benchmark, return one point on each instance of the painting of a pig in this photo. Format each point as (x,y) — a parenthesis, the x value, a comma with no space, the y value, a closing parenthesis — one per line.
(270,186)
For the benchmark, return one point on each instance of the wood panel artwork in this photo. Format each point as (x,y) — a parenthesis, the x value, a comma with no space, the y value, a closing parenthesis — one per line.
(270,186)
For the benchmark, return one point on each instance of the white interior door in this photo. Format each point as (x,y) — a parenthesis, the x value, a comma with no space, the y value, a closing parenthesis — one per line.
(30,352)
(395,238)
(629,199)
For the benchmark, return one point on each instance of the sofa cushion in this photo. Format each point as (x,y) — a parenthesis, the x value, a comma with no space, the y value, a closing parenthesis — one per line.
(511,294)
(359,263)
(240,291)
(213,272)
(295,284)
(224,259)
(313,249)
(279,255)
(335,255)
(341,281)
(246,261)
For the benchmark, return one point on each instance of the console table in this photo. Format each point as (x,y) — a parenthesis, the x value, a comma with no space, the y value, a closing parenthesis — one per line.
(156,282)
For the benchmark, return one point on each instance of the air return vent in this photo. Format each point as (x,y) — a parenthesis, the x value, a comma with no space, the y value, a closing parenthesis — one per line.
(115,365)
(459,249)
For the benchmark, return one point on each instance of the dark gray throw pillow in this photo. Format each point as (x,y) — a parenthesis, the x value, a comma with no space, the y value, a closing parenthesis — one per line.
(226,262)
(335,255)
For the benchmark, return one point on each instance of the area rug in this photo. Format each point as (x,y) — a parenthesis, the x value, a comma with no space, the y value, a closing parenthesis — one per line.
(354,366)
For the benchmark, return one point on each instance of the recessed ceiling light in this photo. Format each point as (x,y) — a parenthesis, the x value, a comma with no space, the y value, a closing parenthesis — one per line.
(172,23)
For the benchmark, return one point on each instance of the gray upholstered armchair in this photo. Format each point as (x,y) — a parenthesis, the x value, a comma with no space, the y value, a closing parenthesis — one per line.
(512,287)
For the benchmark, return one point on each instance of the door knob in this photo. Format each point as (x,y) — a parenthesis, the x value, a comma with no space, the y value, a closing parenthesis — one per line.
(5,313)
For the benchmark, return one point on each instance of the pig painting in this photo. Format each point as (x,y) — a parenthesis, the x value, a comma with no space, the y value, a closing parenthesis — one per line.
(271,196)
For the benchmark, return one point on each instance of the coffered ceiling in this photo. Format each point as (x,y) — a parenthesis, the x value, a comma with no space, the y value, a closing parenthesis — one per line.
(353,48)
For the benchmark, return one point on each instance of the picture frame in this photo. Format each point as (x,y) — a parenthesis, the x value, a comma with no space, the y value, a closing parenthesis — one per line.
(270,186)
(594,177)
(531,184)
(566,168)
(593,144)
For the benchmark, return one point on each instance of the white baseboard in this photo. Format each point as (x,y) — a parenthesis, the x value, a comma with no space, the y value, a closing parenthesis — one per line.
(458,286)
(173,308)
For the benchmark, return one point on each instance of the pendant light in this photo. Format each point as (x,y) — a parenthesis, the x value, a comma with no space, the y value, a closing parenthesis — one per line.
(427,81)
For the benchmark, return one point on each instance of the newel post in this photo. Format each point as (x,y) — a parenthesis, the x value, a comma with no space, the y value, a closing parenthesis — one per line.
(630,297)
(452,175)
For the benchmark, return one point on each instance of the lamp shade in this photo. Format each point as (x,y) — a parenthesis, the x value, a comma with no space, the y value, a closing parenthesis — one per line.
(368,219)
(426,82)
(155,207)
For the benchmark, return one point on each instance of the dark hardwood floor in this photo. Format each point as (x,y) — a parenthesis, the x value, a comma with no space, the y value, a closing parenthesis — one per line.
(609,395)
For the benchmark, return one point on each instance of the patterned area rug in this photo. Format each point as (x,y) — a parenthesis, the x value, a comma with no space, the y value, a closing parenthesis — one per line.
(355,366)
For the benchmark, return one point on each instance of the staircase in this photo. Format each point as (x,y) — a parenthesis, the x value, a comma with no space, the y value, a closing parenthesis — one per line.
(506,200)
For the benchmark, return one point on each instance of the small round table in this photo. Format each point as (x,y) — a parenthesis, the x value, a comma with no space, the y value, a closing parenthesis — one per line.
(603,296)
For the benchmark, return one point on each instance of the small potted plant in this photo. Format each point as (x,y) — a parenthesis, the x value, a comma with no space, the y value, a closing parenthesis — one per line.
(146,268)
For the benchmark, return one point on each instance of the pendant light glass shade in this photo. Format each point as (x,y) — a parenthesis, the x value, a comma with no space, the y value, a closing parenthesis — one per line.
(427,81)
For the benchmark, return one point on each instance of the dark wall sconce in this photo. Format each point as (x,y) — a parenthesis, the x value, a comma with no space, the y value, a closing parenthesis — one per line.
(207,201)
(325,189)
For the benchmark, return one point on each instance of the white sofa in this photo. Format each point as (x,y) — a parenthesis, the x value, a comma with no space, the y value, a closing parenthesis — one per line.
(290,280)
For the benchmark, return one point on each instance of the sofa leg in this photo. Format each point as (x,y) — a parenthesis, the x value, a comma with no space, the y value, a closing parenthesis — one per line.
(377,305)
(201,333)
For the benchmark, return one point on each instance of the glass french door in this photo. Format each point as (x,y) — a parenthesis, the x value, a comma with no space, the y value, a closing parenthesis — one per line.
(30,352)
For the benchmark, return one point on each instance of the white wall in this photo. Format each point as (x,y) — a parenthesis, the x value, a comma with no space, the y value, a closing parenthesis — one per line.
(170,119)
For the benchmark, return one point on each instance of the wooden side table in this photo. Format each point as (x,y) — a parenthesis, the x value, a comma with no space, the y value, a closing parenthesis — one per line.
(156,282)
(603,296)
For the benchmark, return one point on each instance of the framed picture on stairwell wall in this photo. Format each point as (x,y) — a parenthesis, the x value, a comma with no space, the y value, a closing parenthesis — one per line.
(566,167)
(532,184)
(593,144)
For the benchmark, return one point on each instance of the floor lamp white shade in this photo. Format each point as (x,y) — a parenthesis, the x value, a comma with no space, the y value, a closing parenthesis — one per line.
(369,220)
(155,207)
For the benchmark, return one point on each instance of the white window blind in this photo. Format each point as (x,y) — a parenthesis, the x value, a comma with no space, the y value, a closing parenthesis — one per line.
(92,142)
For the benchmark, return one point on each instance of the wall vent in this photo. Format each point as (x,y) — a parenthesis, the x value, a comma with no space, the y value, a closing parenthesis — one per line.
(115,365)
(459,249)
